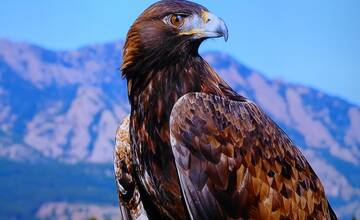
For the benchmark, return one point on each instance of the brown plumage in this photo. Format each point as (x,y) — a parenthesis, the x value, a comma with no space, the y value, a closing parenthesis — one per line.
(200,150)
(131,206)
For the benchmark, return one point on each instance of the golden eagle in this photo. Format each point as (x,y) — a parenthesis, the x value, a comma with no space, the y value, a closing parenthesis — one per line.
(197,149)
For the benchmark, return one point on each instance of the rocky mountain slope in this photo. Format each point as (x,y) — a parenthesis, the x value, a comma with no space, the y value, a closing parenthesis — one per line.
(63,108)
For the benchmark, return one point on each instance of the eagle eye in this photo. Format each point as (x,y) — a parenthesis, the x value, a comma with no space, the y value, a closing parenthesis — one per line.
(177,20)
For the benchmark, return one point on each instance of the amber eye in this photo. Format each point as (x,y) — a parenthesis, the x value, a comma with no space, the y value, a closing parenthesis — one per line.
(177,20)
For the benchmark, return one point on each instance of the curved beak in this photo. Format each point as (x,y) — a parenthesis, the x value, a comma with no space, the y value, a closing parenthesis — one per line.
(206,25)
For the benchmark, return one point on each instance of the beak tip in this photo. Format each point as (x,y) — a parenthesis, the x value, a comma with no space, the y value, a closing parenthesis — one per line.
(224,30)
(226,36)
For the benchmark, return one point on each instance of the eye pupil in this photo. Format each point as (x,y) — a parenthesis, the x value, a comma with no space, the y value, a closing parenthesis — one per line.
(177,20)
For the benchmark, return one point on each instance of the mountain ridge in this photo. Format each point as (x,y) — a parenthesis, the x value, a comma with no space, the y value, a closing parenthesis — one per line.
(66,105)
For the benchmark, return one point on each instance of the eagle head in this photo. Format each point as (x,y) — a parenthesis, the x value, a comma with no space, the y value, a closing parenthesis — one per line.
(167,31)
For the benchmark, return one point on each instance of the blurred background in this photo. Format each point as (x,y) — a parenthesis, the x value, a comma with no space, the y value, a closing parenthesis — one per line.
(62,97)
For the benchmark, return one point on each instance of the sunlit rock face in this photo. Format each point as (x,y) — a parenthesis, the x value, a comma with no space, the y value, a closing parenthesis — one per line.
(66,105)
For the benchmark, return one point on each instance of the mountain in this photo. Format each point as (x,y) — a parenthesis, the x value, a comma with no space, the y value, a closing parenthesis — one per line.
(59,111)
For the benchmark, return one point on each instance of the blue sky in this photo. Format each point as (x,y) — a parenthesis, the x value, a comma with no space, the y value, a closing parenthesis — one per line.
(316,43)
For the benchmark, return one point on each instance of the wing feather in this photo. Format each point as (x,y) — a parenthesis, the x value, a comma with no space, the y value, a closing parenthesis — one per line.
(234,162)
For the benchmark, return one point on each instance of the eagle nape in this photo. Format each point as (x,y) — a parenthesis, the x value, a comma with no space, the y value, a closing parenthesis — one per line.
(195,148)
